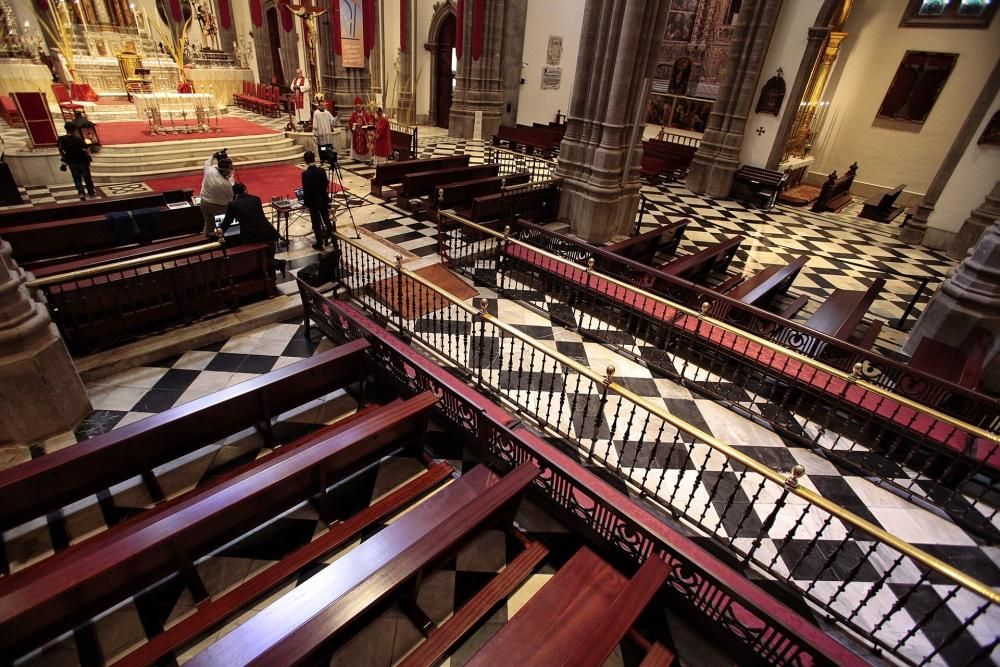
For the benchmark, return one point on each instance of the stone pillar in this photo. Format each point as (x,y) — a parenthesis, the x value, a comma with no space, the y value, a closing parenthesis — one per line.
(977,223)
(968,298)
(916,226)
(479,80)
(600,153)
(42,392)
(718,157)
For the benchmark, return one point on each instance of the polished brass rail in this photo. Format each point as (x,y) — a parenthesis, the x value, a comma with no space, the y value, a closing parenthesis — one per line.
(944,569)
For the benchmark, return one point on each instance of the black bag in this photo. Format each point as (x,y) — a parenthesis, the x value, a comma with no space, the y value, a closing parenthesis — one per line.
(326,270)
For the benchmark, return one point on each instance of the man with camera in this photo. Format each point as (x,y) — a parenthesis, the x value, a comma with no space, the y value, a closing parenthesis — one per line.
(216,189)
(76,157)
(316,197)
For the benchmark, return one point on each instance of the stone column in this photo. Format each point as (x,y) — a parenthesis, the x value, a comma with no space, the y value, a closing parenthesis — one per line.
(42,392)
(718,157)
(600,153)
(978,221)
(916,226)
(968,298)
(479,79)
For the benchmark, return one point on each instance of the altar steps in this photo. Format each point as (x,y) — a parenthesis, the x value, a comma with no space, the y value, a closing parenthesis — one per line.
(137,162)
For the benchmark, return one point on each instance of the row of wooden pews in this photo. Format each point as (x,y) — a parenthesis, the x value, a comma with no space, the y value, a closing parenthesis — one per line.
(532,140)
(47,212)
(666,159)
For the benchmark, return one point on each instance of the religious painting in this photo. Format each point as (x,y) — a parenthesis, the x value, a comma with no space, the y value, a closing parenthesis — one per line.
(916,86)
(352,33)
(991,135)
(553,54)
(772,95)
(679,26)
(680,76)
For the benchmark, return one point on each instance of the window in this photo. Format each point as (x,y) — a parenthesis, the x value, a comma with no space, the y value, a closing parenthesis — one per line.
(918,81)
(949,13)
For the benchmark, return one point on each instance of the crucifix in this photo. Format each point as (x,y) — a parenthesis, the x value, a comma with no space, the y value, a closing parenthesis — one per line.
(309,11)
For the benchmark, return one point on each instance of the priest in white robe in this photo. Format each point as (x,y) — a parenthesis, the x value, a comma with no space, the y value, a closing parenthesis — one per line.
(323,123)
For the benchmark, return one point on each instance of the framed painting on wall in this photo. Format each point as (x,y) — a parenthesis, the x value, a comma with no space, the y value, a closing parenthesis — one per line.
(916,86)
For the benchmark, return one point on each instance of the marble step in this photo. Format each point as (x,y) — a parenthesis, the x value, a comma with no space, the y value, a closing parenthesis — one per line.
(135,173)
(190,147)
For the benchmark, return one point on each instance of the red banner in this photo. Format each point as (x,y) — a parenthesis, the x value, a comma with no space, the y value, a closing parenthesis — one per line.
(42,6)
(287,20)
(404,27)
(459,28)
(369,27)
(478,23)
(336,28)
(175,11)
(256,13)
(225,18)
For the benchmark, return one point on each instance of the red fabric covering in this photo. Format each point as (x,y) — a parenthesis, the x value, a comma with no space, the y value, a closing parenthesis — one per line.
(137,132)
(278,180)
(287,20)
(901,416)
(225,18)
(368,15)
(336,28)
(459,28)
(185,87)
(83,91)
(383,138)
(478,25)
(404,27)
(257,13)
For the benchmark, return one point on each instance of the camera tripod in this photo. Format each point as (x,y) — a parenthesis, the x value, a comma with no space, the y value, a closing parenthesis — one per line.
(333,164)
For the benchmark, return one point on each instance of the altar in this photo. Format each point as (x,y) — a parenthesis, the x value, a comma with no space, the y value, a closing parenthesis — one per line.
(176,104)
(220,82)
(22,75)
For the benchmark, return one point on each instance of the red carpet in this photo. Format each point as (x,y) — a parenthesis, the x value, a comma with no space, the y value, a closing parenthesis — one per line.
(271,181)
(137,132)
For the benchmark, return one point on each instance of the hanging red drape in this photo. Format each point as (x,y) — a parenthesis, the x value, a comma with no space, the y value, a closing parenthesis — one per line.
(459,27)
(42,6)
(336,27)
(287,20)
(478,24)
(404,24)
(368,7)
(256,13)
(175,11)
(225,18)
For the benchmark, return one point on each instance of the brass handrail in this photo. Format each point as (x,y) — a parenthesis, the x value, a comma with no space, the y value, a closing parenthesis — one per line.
(811,497)
(774,347)
(123,264)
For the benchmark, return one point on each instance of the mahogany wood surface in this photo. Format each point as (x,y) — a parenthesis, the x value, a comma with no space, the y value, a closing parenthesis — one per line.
(552,623)
(768,283)
(698,266)
(961,365)
(91,207)
(298,625)
(44,600)
(463,192)
(59,478)
(528,137)
(44,268)
(842,312)
(643,247)
(422,183)
(658,656)
(391,173)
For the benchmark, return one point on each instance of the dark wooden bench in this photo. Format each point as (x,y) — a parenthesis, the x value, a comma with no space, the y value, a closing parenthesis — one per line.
(297,626)
(836,192)
(882,208)
(64,239)
(525,140)
(666,158)
(44,600)
(392,173)
(423,183)
(644,247)
(453,195)
(700,266)
(91,207)
(757,186)
(552,135)
(961,365)
(843,311)
(767,284)
(51,267)
(578,617)
(55,480)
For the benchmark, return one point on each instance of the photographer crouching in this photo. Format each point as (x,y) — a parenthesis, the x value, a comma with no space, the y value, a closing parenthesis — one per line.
(216,189)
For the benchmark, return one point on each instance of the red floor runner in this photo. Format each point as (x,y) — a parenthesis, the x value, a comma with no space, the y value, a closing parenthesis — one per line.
(137,132)
(265,182)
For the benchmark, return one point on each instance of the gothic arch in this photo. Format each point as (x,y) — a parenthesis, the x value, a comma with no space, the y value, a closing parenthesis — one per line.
(442,12)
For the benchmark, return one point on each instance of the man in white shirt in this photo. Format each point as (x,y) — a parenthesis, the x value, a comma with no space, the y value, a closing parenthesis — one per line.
(216,189)
(323,123)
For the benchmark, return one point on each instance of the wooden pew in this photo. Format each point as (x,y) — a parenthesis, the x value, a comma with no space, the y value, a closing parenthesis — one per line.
(44,600)
(698,267)
(55,480)
(91,207)
(667,158)
(58,239)
(882,208)
(765,285)
(550,134)
(836,192)
(44,268)
(453,195)
(843,311)
(297,626)
(644,247)
(423,183)
(524,140)
(757,186)
(578,617)
(961,365)
(392,173)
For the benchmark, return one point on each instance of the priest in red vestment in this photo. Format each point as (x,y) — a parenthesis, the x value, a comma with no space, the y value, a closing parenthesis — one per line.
(360,123)
(301,88)
(383,137)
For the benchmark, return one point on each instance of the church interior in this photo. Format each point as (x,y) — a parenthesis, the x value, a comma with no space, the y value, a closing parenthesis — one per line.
(499,332)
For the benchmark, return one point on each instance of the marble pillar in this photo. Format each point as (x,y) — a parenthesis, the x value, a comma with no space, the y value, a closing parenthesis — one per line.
(968,298)
(600,153)
(42,392)
(718,157)
(976,224)
(479,79)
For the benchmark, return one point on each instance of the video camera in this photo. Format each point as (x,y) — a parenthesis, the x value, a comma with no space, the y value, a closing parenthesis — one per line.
(328,154)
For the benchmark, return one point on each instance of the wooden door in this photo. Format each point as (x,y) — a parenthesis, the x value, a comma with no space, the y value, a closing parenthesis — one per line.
(443,70)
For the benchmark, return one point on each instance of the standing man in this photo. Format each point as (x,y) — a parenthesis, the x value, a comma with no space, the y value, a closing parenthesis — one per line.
(76,157)
(216,189)
(361,119)
(248,210)
(323,124)
(300,86)
(316,197)
(383,137)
